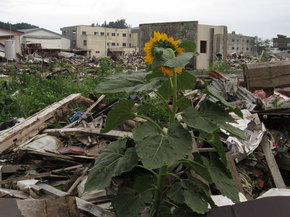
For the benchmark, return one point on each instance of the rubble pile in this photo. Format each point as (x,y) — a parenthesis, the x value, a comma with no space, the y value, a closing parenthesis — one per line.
(48,155)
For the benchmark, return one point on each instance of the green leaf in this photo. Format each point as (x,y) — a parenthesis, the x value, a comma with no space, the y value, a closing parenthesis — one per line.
(119,114)
(141,184)
(156,150)
(144,108)
(164,211)
(180,61)
(221,178)
(129,204)
(210,91)
(214,140)
(113,160)
(220,117)
(166,90)
(183,103)
(176,193)
(188,46)
(154,74)
(128,82)
(186,81)
(161,55)
(194,119)
(193,200)
(199,168)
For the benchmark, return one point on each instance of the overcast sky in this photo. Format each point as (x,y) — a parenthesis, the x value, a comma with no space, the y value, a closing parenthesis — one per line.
(264,18)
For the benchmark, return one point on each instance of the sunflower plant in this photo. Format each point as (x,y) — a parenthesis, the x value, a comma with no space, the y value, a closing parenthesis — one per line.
(157,163)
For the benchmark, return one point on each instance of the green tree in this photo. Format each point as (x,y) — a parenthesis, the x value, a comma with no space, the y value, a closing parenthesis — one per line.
(262,44)
(17,25)
(121,24)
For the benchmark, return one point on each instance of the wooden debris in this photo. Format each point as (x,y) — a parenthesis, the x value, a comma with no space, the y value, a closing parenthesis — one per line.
(278,180)
(60,207)
(30,127)
(113,134)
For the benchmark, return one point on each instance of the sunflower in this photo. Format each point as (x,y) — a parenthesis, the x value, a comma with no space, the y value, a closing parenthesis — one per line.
(162,40)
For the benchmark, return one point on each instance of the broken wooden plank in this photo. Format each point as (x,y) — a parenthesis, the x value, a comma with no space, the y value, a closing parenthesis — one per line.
(113,134)
(272,164)
(83,205)
(32,125)
(267,75)
(75,184)
(60,207)
(86,113)
(40,175)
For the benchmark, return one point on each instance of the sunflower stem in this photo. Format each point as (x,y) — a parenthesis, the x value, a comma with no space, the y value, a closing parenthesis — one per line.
(173,108)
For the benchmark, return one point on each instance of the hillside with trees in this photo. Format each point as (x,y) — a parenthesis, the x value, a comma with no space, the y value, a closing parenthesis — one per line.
(17,26)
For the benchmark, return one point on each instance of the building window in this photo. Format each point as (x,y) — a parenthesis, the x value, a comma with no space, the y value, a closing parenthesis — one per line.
(247,48)
(124,44)
(233,48)
(108,43)
(113,44)
(97,51)
(129,44)
(233,40)
(237,48)
(247,41)
(117,34)
(102,33)
(74,32)
(96,33)
(108,34)
(130,35)
(84,33)
(117,44)
(202,46)
(74,42)
(242,48)
(63,33)
(237,40)
(124,34)
(113,34)
(85,42)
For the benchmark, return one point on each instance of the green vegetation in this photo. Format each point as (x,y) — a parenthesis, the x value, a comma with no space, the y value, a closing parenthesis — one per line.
(120,24)
(17,26)
(220,66)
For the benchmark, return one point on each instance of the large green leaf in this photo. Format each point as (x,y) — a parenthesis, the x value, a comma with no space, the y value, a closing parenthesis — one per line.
(141,184)
(192,192)
(128,203)
(220,117)
(212,92)
(195,119)
(113,160)
(166,90)
(214,140)
(188,46)
(180,61)
(128,82)
(221,179)
(119,114)
(161,55)
(183,103)
(199,168)
(156,150)
(185,81)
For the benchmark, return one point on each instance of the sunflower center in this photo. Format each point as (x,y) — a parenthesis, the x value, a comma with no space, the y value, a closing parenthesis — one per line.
(164,44)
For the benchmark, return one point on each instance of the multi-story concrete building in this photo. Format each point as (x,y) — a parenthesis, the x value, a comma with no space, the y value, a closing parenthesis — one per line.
(237,43)
(101,41)
(209,39)
(281,42)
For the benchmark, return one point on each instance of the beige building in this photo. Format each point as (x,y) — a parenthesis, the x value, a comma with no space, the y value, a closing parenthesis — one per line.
(238,43)
(101,41)
(6,34)
(209,39)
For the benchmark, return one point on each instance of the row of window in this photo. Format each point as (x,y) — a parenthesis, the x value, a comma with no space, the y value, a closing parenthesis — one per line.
(233,48)
(108,34)
(113,44)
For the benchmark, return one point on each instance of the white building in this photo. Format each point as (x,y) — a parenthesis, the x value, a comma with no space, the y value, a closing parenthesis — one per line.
(47,39)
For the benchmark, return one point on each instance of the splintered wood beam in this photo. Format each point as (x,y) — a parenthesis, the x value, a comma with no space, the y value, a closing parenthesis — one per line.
(22,132)
(113,134)
(272,164)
